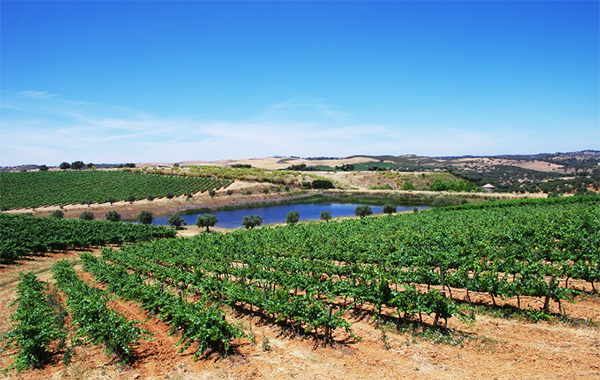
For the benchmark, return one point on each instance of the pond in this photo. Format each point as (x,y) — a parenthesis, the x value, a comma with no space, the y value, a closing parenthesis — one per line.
(278,213)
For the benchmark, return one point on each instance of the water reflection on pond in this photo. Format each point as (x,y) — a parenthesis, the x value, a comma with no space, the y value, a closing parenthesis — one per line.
(278,213)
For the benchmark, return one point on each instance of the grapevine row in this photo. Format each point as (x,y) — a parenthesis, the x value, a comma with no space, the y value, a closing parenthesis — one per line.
(199,322)
(95,321)
(24,234)
(35,189)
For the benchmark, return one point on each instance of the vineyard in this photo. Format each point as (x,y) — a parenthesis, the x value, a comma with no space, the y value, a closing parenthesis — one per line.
(418,265)
(35,189)
(21,235)
(316,280)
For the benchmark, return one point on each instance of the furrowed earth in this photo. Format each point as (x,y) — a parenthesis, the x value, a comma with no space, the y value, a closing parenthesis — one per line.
(491,348)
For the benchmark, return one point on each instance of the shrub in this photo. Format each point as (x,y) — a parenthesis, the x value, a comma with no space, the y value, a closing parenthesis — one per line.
(206,220)
(229,192)
(322,184)
(389,209)
(363,211)
(113,216)
(175,220)
(325,215)
(292,217)
(251,221)
(58,214)
(145,217)
(86,215)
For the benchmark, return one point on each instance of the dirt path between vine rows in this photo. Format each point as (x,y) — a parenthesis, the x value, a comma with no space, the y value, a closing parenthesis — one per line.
(490,348)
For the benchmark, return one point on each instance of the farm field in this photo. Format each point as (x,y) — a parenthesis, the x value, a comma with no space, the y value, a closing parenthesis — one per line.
(294,298)
(35,189)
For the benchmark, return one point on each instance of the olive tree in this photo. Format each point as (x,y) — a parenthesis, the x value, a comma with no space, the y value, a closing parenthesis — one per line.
(58,214)
(292,217)
(325,215)
(77,165)
(175,220)
(363,211)
(389,209)
(86,215)
(206,220)
(113,216)
(251,221)
(145,217)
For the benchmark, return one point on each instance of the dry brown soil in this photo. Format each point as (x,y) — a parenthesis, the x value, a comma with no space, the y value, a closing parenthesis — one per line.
(496,348)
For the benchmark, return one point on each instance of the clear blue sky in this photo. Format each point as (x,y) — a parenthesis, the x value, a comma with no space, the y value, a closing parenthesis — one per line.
(136,81)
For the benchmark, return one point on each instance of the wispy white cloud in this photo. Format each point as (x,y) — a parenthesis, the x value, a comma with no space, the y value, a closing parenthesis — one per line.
(41,127)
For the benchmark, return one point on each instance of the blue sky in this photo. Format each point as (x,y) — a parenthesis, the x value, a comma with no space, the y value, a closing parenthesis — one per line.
(136,81)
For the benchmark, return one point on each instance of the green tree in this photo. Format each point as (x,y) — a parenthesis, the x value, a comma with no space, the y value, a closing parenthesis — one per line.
(325,215)
(363,211)
(58,214)
(251,221)
(292,217)
(322,184)
(111,200)
(113,216)
(439,185)
(229,192)
(150,197)
(131,198)
(86,215)
(43,168)
(175,220)
(389,209)
(145,217)
(212,193)
(206,220)
(77,165)
(64,165)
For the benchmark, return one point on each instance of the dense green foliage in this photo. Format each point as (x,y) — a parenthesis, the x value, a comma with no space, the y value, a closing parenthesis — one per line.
(251,221)
(389,209)
(206,220)
(86,215)
(94,321)
(24,234)
(363,211)
(36,324)
(113,216)
(33,189)
(175,220)
(145,217)
(292,217)
(457,186)
(299,274)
